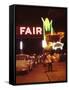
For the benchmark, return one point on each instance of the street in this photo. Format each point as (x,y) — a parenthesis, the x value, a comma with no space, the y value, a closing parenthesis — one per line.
(40,73)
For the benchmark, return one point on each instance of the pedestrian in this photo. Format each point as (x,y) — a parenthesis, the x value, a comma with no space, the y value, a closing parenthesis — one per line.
(49,58)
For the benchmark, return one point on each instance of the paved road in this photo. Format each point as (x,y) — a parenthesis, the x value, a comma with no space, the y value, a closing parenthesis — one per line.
(40,74)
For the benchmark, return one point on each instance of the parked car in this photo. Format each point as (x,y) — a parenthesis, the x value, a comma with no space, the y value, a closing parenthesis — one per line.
(24,63)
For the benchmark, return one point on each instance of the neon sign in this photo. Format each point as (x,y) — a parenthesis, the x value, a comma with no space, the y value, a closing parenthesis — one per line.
(35,30)
(47,25)
(30,31)
(57,45)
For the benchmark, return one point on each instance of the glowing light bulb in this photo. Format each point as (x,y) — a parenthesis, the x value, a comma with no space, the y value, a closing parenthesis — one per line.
(21,45)
(44,43)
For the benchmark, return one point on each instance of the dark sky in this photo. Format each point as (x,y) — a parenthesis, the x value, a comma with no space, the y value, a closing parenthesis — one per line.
(31,16)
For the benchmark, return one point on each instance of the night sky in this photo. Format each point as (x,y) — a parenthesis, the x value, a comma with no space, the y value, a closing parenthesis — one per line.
(31,16)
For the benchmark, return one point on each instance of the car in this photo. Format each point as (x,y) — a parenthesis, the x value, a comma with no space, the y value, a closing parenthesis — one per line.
(22,65)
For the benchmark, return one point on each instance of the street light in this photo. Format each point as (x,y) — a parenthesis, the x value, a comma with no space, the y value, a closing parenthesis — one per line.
(21,46)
